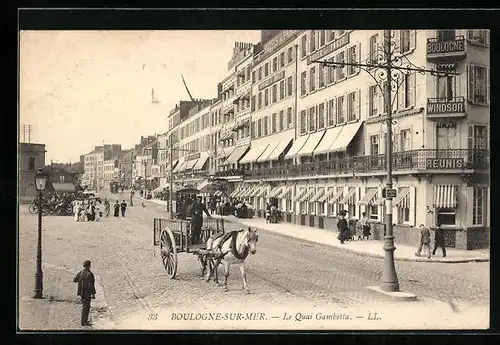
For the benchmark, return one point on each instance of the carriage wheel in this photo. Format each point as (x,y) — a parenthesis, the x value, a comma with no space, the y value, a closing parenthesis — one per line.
(168,252)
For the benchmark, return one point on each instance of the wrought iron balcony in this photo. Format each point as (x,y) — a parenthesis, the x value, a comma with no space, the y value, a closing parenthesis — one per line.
(441,49)
(446,107)
(425,159)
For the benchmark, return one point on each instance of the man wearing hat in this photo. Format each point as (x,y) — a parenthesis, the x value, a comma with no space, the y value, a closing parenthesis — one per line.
(86,290)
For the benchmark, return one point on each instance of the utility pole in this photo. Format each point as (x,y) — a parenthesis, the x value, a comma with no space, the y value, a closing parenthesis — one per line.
(389,72)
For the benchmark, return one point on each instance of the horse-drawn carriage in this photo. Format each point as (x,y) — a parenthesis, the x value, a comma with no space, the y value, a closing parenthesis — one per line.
(173,236)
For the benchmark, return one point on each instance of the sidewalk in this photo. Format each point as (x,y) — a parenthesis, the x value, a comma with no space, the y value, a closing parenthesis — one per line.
(60,308)
(370,248)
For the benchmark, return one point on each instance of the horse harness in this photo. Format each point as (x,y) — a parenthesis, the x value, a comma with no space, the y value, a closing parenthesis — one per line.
(231,235)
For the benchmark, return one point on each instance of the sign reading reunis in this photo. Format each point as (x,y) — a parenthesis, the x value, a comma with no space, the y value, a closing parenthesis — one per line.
(444,163)
(330,48)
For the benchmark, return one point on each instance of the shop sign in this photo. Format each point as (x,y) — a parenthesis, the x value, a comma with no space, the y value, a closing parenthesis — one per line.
(444,163)
(268,82)
(328,49)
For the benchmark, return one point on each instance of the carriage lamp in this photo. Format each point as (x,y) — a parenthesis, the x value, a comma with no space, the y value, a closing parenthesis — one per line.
(40,184)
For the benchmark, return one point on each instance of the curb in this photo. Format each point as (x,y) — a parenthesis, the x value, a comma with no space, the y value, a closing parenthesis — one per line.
(379,256)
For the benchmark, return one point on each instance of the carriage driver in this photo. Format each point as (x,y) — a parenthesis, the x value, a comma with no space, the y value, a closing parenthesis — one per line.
(197,209)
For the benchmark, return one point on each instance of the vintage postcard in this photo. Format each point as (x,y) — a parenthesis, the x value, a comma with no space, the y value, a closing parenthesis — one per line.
(254,180)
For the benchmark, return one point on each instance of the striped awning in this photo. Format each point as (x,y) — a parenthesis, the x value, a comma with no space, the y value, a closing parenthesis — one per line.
(445,196)
(369,196)
(307,196)
(401,200)
(262,191)
(251,192)
(378,201)
(218,193)
(286,193)
(327,195)
(319,194)
(234,192)
(275,191)
(241,191)
(349,197)
(300,194)
(335,198)
(245,191)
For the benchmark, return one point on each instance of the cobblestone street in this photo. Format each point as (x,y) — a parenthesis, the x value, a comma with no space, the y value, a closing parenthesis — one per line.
(283,272)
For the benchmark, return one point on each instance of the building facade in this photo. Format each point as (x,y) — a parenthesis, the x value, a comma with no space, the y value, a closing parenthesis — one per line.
(317,141)
(94,175)
(31,158)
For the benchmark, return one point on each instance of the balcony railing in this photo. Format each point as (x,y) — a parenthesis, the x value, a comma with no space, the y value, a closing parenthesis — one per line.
(446,107)
(438,48)
(424,159)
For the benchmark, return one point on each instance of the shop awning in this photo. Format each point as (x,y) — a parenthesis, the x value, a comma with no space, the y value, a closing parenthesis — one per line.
(218,193)
(254,153)
(201,162)
(445,196)
(63,187)
(236,155)
(345,137)
(263,191)
(296,147)
(167,168)
(233,193)
(319,194)
(279,150)
(335,197)
(179,167)
(300,194)
(223,152)
(246,192)
(226,135)
(275,191)
(311,144)
(328,140)
(190,164)
(252,192)
(243,191)
(307,196)
(268,151)
(401,199)
(239,191)
(327,195)
(369,196)
(378,201)
(349,197)
(285,193)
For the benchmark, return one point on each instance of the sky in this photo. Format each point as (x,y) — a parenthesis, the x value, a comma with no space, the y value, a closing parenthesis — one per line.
(80,89)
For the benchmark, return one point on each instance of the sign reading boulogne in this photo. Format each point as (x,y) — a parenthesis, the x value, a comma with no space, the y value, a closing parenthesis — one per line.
(330,48)
(272,80)
(444,163)
(443,47)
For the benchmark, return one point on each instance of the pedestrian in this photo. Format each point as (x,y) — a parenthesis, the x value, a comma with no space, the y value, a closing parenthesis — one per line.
(123,207)
(439,240)
(76,208)
(343,228)
(425,239)
(117,209)
(91,212)
(107,207)
(86,290)
(365,225)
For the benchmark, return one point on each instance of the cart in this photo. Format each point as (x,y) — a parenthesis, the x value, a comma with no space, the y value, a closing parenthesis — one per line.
(173,236)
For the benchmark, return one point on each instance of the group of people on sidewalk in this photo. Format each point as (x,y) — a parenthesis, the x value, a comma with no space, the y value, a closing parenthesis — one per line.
(361,229)
(90,210)
(425,240)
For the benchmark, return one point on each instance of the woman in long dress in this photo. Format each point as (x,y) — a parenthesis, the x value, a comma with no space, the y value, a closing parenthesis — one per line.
(117,209)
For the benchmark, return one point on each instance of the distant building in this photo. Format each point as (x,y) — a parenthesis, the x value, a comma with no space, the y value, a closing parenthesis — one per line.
(94,164)
(31,158)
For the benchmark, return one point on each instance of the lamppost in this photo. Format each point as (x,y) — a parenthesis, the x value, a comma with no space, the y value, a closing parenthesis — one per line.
(40,183)
(389,70)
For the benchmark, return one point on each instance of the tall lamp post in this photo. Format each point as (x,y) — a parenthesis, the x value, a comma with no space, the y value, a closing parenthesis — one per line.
(40,184)
(389,70)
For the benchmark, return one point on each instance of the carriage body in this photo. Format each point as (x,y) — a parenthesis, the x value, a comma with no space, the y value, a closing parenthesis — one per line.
(173,236)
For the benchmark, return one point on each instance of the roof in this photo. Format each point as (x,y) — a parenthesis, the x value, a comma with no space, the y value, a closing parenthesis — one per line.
(63,187)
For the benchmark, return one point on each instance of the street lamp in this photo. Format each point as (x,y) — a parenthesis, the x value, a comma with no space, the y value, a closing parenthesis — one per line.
(389,71)
(40,183)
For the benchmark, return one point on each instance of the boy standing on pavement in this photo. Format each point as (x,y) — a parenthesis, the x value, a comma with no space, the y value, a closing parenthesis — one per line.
(86,290)
(425,240)
(439,240)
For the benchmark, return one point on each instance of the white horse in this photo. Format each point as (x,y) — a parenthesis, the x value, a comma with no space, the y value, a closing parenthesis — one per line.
(232,248)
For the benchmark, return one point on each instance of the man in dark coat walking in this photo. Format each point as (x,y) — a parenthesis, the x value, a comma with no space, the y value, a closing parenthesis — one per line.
(86,290)
(439,240)
(197,209)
